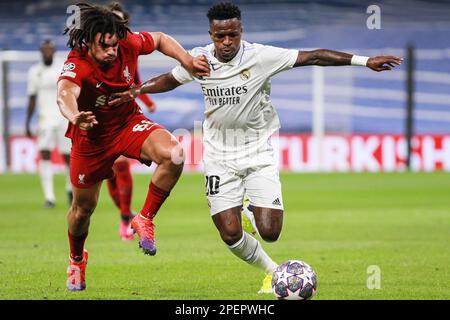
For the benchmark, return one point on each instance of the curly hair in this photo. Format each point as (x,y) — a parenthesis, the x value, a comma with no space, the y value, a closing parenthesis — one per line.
(116,6)
(224,11)
(95,19)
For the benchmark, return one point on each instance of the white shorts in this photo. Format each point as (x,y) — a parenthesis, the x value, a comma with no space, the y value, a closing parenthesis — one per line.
(50,137)
(226,182)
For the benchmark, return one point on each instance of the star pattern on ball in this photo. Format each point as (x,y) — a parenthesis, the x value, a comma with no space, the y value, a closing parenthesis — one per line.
(307,278)
(294,280)
(284,276)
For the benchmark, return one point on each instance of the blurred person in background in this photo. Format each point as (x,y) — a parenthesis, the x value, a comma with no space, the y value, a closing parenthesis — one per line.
(42,78)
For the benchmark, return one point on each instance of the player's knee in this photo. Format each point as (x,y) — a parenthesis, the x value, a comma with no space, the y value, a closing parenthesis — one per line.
(174,157)
(83,210)
(122,166)
(269,224)
(231,236)
(269,234)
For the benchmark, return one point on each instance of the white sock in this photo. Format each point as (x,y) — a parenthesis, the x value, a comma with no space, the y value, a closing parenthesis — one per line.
(46,173)
(249,249)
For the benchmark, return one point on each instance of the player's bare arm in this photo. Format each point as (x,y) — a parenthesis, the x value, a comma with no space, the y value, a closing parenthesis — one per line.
(170,47)
(162,83)
(30,111)
(68,93)
(325,57)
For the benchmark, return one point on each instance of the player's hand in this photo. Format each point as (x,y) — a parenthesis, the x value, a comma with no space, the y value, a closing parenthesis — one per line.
(382,63)
(198,66)
(85,120)
(125,96)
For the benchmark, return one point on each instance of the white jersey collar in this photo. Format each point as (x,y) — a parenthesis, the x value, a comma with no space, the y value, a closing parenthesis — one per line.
(233,62)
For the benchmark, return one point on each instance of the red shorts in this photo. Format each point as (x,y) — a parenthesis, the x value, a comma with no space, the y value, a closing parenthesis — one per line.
(91,162)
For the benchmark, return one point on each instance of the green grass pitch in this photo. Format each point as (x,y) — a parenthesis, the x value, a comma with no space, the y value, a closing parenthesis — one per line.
(339,223)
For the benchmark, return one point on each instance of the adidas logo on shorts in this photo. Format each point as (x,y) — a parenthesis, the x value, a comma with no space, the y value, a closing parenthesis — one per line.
(277,202)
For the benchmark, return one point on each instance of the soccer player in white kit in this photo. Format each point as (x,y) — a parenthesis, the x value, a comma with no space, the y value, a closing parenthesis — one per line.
(239,121)
(42,78)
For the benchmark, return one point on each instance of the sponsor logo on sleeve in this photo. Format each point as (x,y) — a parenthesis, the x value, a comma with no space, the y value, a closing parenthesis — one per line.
(69,66)
(67,70)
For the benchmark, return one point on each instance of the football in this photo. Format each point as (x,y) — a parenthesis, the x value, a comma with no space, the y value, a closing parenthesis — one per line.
(294,280)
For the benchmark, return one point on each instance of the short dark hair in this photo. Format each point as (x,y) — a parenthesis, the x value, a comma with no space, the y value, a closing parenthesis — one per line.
(116,6)
(47,42)
(95,19)
(224,11)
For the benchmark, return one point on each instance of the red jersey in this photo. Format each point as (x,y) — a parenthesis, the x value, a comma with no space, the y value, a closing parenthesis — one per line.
(97,83)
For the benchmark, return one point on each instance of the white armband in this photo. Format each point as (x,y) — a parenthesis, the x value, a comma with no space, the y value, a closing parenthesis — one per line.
(359,60)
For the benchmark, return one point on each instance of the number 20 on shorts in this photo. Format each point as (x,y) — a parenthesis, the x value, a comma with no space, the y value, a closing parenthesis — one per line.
(212,185)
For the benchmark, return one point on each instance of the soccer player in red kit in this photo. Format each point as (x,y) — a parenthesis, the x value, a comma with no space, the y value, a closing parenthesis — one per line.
(103,61)
(120,186)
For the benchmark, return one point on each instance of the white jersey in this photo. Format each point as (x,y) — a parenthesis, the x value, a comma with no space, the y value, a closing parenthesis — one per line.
(42,81)
(239,117)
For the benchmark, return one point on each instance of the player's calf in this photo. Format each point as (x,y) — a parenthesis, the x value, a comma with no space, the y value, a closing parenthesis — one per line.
(170,164)
(143,225)
(83,205)
(162,148)
(80,215)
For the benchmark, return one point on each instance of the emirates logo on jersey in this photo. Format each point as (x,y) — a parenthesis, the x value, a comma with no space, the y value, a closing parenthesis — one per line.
(127,74)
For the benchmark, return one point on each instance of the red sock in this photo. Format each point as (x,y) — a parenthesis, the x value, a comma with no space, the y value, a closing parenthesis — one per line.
(76,246)
(124,181)
(155,198)
(113,190)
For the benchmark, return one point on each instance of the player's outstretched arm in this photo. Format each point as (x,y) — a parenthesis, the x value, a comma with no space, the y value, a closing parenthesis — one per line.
(68,93)
(170,47)
(325,57)
(146,99)
(161,83)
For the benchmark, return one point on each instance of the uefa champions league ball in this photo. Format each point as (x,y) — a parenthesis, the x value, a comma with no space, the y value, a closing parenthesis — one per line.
(294,280)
